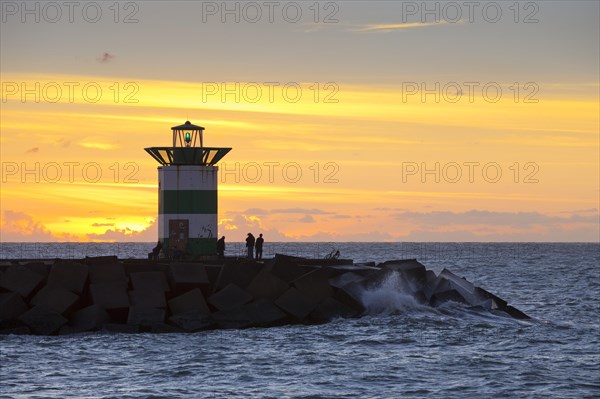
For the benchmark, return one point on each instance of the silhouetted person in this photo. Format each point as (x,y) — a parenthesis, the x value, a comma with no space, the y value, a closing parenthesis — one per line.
(250,240)
(259,244)
(155,251)
(221,247)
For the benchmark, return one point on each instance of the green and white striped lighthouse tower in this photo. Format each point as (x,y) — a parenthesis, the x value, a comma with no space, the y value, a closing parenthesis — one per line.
(187,192)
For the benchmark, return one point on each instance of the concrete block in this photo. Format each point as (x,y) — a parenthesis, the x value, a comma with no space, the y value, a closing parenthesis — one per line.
(295,303)
(444,296)
(147,298)
(67,330)
(42,320)
(314,275)
(121,328)
(21,280)
(101,260)
(488,304)
(239,273)
(368,264)
(106,272)
(440,284)
(4,267)
(464,287)
(150,281)
(213,271)
(233,318)
(349,298)
(344,279)
(484,296)
(259,313)
(90,318)
(430,277)
(111,295)
(188,273)
(143,316)
(377,278)
(266,285)
(55,298)
(69,275)
(420,297)
(184,277)
(18,330)
(412,271)
(230,297)
(330,309)
(192,322)
(164,328)
(516,313)
(41,268)
(287,268)
(315,284)
(12,306)
(355,290)
(361,270)
(190,302)
(264,313)
(136,266)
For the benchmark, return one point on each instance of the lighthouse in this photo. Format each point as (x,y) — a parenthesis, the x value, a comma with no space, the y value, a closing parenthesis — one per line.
(187,193)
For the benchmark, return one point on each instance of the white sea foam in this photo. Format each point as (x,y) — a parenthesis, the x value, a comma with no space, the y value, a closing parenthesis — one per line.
(391,296)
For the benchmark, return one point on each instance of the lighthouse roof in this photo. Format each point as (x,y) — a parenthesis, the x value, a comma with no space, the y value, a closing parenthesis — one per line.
(187,126)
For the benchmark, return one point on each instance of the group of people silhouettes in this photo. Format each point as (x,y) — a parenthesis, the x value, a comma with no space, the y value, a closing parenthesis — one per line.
(251,244)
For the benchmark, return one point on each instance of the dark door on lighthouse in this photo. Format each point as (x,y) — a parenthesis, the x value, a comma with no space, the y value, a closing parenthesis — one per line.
(179,230)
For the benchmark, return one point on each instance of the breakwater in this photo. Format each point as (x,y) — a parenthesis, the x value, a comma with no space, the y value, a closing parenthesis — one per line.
(113,295)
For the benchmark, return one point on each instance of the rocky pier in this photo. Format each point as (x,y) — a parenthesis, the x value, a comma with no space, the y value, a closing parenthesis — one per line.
(50,297)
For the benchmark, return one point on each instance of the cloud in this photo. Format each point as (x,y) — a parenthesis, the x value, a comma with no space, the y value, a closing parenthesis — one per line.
(102,224)
(149,234)
(468,234)
(237,226)
(64,143)
(105,57)
(32,150)
(477,217)
(97,145)
(341,217)
(312,211)
(590,210)
(256,211)
(488,226)
(19,227)
(401,26)
(367,236)
(307,219)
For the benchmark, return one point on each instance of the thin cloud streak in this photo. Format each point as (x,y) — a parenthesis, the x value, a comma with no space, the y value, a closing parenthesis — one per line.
(401,26)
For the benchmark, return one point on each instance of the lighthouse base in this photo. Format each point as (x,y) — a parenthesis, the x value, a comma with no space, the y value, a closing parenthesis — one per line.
(195,247)
(187,219)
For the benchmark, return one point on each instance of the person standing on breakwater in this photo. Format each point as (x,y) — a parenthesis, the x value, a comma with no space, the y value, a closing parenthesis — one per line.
(259,244)
(221,247)
(250,240)
(155,251)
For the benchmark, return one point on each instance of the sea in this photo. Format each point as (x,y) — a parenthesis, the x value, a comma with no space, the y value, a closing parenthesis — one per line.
(398,349)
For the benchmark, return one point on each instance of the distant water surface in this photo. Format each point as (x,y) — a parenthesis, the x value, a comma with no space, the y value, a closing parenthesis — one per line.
(399,349)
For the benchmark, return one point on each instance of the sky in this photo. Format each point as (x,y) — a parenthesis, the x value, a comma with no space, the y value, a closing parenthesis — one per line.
(349,120)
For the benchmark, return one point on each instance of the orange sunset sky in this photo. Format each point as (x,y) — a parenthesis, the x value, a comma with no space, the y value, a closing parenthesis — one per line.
(349,120)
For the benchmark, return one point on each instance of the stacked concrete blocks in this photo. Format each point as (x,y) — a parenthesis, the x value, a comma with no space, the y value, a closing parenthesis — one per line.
(112,295)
